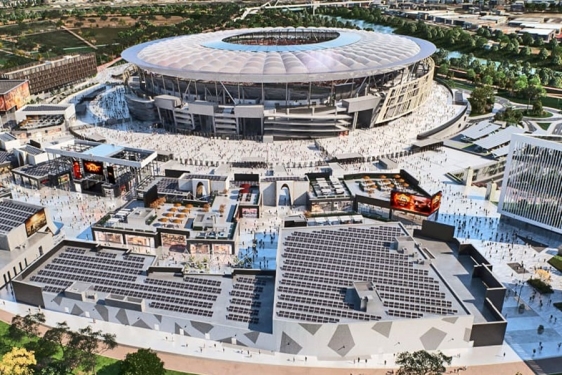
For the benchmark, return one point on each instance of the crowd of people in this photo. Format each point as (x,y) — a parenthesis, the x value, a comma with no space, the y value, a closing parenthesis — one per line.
(398,135)
(78,212)
(108,108)
(392,138)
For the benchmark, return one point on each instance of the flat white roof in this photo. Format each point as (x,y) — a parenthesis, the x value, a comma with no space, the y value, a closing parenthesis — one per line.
(539,31)
(500,138)
(480,130)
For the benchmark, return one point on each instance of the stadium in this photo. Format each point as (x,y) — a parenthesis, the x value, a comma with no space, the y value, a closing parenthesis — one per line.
(279,82)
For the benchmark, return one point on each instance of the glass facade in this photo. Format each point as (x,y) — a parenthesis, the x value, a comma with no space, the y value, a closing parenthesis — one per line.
(532,184)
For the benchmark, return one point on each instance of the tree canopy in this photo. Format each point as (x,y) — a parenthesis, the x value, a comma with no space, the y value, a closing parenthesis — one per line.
(142,362)
(422,363)
(482,100)
(18,361)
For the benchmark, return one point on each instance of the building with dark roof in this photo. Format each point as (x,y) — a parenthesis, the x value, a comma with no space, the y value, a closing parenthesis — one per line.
(336,290)
(26,232)
(53,74)
(14,94)
(38,120)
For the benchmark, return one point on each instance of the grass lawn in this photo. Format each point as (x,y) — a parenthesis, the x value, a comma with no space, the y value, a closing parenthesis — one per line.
(56,39)
(459,84)
(544,114)
(544,125)
(547,101)
(102,35)
(4,57)
(28,27)
(556,262)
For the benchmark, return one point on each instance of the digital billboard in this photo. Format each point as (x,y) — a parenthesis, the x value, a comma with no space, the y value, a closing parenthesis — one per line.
(110,174)
(175,242)
(15,98)
(199,249)
(35,222)
(139,240)
(250,213)
(76,170)
(436,201)
(414,203)
(93,167)
(64,179)
(108,237)
(222,249)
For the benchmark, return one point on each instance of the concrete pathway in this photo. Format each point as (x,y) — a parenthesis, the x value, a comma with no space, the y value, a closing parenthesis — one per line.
(204,358)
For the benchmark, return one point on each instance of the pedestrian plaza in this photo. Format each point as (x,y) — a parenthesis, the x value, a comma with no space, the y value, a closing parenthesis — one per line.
(475,219)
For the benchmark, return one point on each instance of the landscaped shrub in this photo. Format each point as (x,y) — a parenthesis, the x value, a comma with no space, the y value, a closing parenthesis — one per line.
(540,286)
(556,262)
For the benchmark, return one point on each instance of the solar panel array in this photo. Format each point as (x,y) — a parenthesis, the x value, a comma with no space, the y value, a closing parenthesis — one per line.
(319,267)
(169,186)
(111,275)
(246,301)
(14,214)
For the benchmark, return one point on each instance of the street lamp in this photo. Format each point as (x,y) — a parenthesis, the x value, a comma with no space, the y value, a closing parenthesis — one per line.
(519,295)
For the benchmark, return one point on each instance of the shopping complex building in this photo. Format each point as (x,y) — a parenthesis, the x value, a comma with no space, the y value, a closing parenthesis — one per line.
(531,193)
(334,292)
(279,82)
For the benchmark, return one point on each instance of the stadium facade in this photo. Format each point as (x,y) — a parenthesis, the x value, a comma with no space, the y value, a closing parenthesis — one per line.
(280,82)
(532,188)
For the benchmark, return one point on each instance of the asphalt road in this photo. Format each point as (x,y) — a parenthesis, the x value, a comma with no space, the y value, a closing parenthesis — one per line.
(557,129)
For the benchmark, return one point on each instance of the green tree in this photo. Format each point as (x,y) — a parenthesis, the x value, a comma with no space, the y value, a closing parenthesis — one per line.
(509,115)
(537,108)
(525,52)
(142,362)
(543,54)
(25,326)
(86,343)
(487,80)
(422,363)
(482,100)
(528,39)
(471,74)
(443,69)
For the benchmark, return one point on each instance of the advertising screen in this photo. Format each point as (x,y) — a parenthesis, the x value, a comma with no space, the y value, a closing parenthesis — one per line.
(222,249)
(251,213)
(436,201)
(108,237)
(76,170)
(175,242)
(139,240)
(64,179)
(410,203)
(35,222)
(93,167)
(110,174)
(15,98)
(199,249)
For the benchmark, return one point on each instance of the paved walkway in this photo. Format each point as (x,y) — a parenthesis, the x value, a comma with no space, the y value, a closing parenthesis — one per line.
(79,37)
(225,359)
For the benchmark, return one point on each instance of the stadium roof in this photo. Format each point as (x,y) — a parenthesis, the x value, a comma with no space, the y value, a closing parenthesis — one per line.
(213,56)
